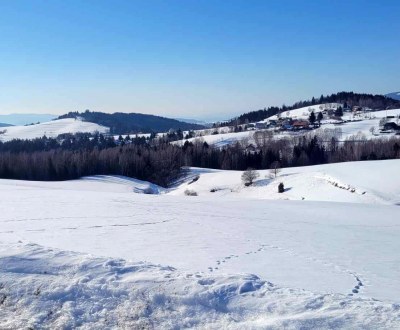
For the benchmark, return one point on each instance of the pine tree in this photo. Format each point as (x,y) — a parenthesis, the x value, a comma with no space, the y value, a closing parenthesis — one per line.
(312,118)
(339,112)
(320,117)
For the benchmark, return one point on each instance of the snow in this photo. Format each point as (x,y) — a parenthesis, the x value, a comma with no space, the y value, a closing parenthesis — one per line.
(362,124)
(304,113)
(51,129)
(106,183)
(97,253)
(220,140)
(52,289)
(353,182)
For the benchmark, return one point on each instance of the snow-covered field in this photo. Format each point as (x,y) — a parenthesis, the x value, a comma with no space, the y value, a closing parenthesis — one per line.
(51,129)
(372,182)
(215,261)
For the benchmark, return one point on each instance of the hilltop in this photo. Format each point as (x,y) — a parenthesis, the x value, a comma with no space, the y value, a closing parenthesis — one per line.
(131,123)
(375,102)
(51,129)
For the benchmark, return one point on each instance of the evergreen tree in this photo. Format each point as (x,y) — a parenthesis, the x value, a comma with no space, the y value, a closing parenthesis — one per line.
(312,118)
(320,117)
(339,112)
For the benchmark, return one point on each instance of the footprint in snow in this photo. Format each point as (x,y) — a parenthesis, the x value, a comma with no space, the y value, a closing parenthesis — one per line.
(206,282)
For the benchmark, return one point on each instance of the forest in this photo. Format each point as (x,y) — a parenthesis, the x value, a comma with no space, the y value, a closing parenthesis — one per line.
(47,159)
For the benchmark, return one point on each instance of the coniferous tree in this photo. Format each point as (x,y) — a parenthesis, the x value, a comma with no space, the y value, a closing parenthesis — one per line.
(339,112)
(319,118)
(312,118)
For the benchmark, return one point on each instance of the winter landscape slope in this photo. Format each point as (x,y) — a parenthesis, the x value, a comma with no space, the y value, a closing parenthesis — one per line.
(51,129)
(226,261)
(361,124)
(372,182)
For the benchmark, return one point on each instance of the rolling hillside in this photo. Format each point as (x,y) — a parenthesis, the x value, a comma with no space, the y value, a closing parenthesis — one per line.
(131,123)
(50,129)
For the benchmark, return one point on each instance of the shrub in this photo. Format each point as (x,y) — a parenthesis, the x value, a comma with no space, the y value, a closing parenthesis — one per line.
(190,192)
(281,188)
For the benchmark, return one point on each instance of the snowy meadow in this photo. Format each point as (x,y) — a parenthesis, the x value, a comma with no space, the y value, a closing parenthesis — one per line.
(97,253)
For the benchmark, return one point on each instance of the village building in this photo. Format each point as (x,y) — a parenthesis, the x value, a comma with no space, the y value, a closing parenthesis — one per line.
(297,125)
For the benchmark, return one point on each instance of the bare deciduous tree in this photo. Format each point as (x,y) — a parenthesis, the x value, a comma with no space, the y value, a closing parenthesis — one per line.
(372,130)
(249,176)
(382,122)
(275,169)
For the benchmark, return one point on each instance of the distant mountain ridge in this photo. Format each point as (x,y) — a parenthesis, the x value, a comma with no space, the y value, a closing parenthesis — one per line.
(131,123)
(5,125)
(195,121)
(20,119)
(395,95)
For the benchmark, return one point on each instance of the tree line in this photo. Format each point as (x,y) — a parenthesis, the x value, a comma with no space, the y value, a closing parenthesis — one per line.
(47,160)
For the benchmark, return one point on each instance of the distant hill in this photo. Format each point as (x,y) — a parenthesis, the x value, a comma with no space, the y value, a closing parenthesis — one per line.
(5,125)
(395,95)
(20,119)
(376,102)
(51,128)
(195,121)
(130,123)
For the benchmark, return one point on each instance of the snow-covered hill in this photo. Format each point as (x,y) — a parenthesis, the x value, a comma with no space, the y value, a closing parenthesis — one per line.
(395,95)
(304,113)
(353,182)
(358,124)
(226,261)
(51,129)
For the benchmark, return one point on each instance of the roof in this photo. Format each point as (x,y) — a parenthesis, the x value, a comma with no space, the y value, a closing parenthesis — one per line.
(300,123)
(391,125)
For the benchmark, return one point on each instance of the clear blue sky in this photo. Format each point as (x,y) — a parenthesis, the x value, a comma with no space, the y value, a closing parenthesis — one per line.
(193,59)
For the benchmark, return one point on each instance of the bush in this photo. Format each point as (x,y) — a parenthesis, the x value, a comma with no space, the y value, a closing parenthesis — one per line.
(190,192)
(194,179)
(281,188)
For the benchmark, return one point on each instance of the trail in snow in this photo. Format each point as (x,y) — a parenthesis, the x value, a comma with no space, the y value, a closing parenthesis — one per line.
(49,289)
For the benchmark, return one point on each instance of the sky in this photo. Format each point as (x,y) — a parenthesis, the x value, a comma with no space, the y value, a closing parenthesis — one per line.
(192,59)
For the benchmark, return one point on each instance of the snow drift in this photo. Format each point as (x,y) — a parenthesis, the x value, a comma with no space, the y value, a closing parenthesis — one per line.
(47,289)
